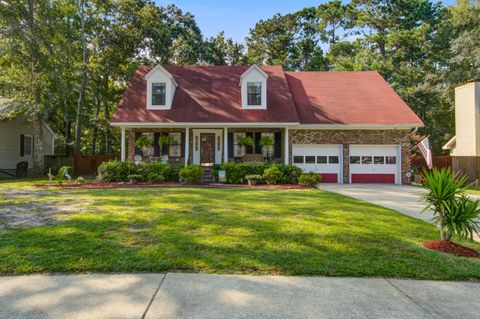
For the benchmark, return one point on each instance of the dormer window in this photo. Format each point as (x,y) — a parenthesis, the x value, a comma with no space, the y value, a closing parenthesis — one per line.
(159,93)
(161,88)
(254,93)
(253,87)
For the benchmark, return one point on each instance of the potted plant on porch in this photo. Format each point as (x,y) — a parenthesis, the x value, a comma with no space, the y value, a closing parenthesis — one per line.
(164,140)
(142,142)
(246,141)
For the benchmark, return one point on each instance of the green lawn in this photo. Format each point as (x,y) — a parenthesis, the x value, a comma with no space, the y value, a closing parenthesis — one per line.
(293,232)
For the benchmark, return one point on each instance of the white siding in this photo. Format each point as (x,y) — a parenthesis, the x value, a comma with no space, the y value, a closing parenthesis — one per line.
(10,142)
(254,75)
(467,120)
(158,75)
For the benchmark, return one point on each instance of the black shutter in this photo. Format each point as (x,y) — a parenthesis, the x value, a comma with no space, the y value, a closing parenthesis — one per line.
(165,146)
(156,147)
(249,149)
(230,145)
(258,147)
(277,146)
(22,145)
(138,151)
(182,145)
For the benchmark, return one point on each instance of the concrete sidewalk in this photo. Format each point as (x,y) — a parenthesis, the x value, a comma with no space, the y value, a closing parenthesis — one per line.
(177,295)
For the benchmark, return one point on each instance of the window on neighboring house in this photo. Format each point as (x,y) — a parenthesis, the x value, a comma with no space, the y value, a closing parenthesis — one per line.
(238,150)
(159,93)
(175,149)
(27,145)
(254,93)
(149,150)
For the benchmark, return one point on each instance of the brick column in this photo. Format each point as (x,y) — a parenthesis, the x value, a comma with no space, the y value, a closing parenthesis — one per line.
(131,145)
(346,163)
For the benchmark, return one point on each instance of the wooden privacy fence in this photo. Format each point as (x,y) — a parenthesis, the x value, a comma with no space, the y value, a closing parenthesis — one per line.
(88,165)
(438,162)
(82,165)
(469,165)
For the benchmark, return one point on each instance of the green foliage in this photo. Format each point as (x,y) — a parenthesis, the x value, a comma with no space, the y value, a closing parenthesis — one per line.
(443,188)
(155,178)
(254,177)
(236,173)
(143,141)
(80,180)
(272,175)
(462,218)
(164,140)
(246,141)
(309,179)
(60,177)
(117,171)
(192,174)
(135,178)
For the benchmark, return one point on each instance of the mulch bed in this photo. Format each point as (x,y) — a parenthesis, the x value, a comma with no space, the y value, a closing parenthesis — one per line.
(452,248)
(111,185)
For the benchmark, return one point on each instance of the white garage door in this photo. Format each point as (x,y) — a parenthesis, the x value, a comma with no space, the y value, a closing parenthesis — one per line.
(375,164)
(323,159)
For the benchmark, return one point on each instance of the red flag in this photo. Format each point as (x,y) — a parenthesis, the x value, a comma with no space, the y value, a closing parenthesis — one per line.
(424,147)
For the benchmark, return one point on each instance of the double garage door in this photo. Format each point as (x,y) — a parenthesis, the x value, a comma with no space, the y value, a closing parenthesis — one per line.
(367,163)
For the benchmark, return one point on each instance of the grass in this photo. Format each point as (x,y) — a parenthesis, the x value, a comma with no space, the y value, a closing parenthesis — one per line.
(292,232)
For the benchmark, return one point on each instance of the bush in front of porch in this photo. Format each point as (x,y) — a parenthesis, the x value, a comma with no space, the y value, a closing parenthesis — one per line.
(117,171)
(236,173)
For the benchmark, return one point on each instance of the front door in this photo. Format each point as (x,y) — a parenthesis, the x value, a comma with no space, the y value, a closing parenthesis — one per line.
(207,148)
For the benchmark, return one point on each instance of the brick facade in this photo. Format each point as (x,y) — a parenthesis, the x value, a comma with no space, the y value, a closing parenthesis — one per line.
(347,137)
(296,136)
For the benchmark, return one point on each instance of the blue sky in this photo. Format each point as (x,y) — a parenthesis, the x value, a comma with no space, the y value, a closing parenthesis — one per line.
(237,17)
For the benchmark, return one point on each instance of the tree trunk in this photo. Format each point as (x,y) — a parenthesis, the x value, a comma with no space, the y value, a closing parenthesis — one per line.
(38,152)
(108,136)
(441,226)
(95,129)
(83,84)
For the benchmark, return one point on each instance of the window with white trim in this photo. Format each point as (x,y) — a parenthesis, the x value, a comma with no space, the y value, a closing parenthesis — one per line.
(159,93)
(254,93)
(175,149)
(238,150)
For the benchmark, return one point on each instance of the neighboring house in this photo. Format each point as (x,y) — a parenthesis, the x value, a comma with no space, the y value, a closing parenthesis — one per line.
(16,138)
(465,145)
(349,126)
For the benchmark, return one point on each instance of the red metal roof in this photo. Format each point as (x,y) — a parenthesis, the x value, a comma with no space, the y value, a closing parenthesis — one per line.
(209,94)
(348,98)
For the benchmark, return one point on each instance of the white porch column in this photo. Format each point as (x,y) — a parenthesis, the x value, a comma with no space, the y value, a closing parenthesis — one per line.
(122,145)
(225,145)
(187,145)
(286,155)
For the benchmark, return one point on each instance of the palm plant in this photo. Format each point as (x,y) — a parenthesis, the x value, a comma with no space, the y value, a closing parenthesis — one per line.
(142,142)
(461,218)
(443,186)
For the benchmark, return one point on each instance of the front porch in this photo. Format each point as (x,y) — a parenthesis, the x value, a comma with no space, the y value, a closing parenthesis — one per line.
(206,145)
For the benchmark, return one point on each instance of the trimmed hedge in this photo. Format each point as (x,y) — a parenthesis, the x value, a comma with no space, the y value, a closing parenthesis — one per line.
(235,173)
(117,171)
(192,174)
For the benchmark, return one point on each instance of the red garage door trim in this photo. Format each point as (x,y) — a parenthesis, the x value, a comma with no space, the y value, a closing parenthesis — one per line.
(373,178)
(329,178)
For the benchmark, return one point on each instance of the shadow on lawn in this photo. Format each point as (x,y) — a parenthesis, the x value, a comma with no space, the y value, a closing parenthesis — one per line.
(234,231)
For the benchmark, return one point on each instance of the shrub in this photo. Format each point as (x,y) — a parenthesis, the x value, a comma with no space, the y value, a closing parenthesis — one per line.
(80,180)
(254,179)
(290,173)
(116,171)
(159,168)
(461,218)
(236,173)
(272,175)
(60,177)
(192,174)
(309,179)
(135,178)
(443,187)
(155,178)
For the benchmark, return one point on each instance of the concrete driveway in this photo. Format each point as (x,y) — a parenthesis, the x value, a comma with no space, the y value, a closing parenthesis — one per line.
(176,295)
(402,198)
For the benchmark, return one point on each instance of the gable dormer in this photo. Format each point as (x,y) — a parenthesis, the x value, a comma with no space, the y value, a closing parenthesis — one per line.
(160,89)
(253,85)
